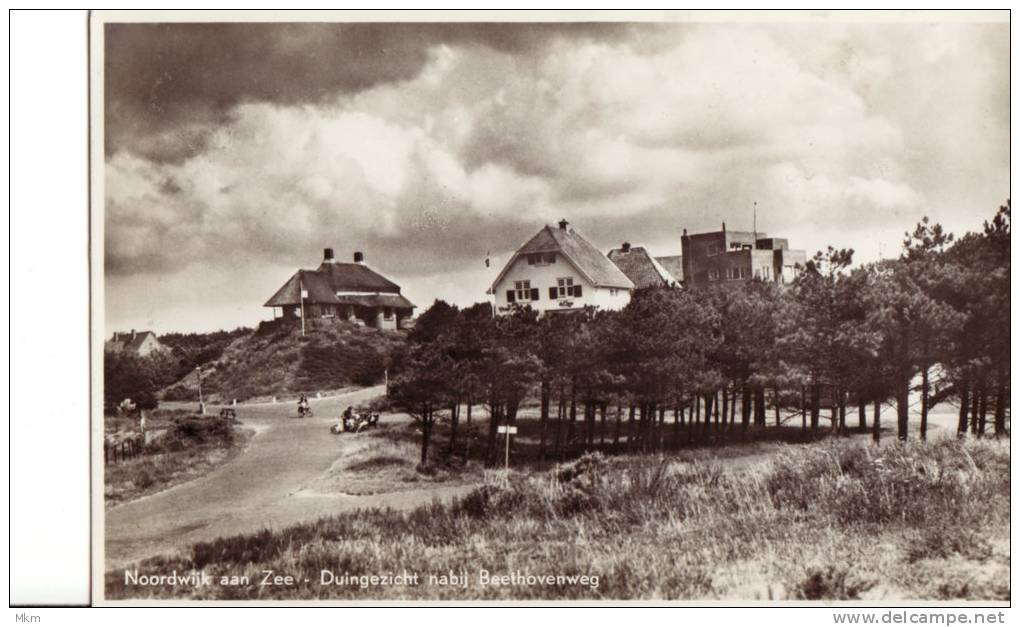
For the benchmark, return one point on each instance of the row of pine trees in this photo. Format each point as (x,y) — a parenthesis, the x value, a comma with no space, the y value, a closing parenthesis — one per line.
(682,365)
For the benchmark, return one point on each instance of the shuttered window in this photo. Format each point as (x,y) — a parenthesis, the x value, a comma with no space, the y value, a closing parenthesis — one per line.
(565,287)
(523,290)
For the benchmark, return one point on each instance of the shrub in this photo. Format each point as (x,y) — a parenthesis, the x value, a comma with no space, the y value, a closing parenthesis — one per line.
(831,582)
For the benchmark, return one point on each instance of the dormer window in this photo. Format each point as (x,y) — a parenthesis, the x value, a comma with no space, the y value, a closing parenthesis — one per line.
(541,259)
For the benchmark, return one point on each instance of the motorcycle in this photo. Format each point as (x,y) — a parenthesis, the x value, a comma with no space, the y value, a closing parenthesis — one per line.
(304,411)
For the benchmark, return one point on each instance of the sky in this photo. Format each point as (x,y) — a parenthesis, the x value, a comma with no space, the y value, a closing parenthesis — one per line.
(234,153)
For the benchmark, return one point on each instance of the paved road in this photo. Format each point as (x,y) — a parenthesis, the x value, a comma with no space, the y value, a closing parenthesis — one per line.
(260,488)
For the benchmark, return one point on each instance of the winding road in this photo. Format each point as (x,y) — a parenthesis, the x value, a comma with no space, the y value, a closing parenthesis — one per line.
(260,488)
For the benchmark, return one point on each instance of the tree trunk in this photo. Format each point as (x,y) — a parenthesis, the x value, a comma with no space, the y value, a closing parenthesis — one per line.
(733,407)
(961,425)
(467,438)
(630,429)
(543,420)
(662,423)
(982,409)
(975,401)
(842,412)
(760,412)
(902,407)
(571,425)
(511,419)
(454,419)
(708,414)
(616,432)
(1000,403)
(775,401)
(745,407)
(676,425)
(495,416)
(803,408)
(558,440)
(602,433)
(715,406)
(426,433)
(816,410)
(725,405)
(924,402)
(876,423)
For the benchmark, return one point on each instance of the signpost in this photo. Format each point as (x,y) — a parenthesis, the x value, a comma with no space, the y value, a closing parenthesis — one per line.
(508,430)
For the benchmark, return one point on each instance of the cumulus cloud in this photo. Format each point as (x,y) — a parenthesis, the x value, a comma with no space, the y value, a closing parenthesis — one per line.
(245,149)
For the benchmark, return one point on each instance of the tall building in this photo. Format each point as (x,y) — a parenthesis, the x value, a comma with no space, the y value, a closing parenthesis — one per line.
(733,257)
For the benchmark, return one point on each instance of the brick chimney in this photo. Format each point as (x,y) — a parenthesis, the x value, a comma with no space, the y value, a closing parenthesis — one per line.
(132,335)
(626,247)
(563,224)
(327,255)
(359,257)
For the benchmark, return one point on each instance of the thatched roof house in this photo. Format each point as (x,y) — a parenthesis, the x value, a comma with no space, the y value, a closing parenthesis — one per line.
(338,290)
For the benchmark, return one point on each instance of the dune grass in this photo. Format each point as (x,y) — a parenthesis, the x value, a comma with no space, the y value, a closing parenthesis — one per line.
(831,520)
(191,447)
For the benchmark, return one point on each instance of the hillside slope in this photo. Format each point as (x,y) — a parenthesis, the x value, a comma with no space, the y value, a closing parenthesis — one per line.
(277,361)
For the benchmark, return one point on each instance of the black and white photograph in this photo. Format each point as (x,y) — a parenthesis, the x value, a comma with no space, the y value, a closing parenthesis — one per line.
(575,308)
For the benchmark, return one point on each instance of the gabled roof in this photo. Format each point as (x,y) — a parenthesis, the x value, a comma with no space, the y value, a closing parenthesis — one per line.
(323,284)
(674,264)
(641,268)
(588,260)
(124,341)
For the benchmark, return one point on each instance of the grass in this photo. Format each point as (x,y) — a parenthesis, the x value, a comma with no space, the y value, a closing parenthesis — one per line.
(830,520)
(385,459)
(278,361)
(190,448)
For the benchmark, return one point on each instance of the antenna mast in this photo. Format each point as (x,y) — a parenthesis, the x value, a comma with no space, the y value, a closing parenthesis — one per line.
(755,223)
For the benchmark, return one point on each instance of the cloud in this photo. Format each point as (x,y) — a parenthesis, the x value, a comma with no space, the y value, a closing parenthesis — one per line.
(251,147)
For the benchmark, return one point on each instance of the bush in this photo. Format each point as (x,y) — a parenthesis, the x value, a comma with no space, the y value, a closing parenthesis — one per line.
(138,378)
(831,582)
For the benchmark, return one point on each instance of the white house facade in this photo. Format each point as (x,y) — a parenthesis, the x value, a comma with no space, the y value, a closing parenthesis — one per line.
(558,270)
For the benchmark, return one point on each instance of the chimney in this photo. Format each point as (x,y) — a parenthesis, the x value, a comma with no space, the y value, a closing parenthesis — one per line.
(132,335)
(723,227)
(685,232)
(626,247)
(327,255)
(563,225)
(359,257)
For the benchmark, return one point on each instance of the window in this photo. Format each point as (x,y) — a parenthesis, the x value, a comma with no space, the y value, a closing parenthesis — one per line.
(713,275)
(523,290)
(735,274)
(541,259)
(564,287)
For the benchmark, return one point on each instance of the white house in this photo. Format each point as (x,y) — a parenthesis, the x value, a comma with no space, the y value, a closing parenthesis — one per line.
(558,270)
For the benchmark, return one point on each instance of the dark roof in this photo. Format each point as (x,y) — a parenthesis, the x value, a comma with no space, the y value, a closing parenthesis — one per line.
(323,284)
(395,301)
(588,260)
(641,268)
(674,264)
(355,277)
